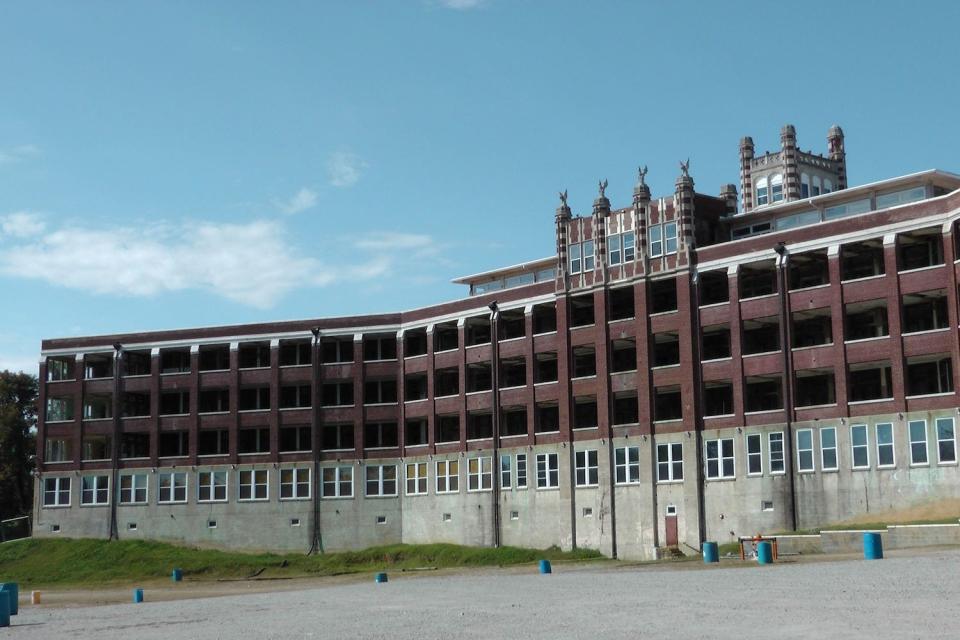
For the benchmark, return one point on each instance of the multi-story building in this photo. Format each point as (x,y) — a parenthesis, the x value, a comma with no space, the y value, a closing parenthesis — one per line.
(678,371)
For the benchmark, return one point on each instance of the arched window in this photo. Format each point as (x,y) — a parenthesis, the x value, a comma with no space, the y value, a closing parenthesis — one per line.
(816,185)
(762,192)
(776,188)
(804,185)
(827,186)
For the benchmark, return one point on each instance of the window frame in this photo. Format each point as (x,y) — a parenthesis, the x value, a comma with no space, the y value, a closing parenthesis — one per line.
(548,471)
(952,440)
(670,237)
(173,487)
(781,459)
(57,492)
(96,490)
(381,481)
(521,466)
(802,450)
(751,455)
(212,486)
(720,459)
(629,469)
(253,485)
(575,258)
(420,481)
(133,489)
(337,483)
(655,241)
(295,483)
(587,462)
(588,253)
(451,480)
(854,446)
(912,442)
(483,472)
(506,473)
(824,448)
(670,463)
(892,445)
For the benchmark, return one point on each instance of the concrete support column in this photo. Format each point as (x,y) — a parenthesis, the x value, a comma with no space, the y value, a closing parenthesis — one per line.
(894,321)
(836,327)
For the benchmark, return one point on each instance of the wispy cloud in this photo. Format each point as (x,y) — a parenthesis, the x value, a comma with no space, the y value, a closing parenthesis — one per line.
(21,224)
(461,5)
(300,201)
(345,168)
(394,240)
(12,155)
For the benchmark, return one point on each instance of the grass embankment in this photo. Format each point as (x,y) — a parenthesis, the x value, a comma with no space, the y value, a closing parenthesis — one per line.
(37,562)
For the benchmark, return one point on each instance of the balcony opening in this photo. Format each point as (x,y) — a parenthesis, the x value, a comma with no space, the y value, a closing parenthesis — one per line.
(173,444)
(254,355)
(380,435)
(477,330)
(59,408)
(761,335)
(663,295)
(415,387)
(815,387)
(812,328)
(445,337)
(295,439)
(254,399)
(380,391)
(626,409)
(513,324)
(623,355)
(808,269)
(545,318)
(213,401)
(925,311)
(415,432)
(337,437)
(96,447)
(866,319)
(919,249)
(295,396)
(513,372)
(715,342)
(758,279)
(585,412)
(581,311)
(295,353)
(545,369)
(174,403)
(212,358)
(98,365)
(714,287)
(667,404)
(718,398)
(929,374)
(336,350)
(134,445)
(136,363)
(446,382)
(479,426)
(98,406)
(584,361)
(449,427)
(514,421)
(763,393)
(415,342)
(60,368)
(547,417)
(666,349)
(870,381)
(376,348)
(478,377)
(621,303)
(337,394)
(213,442)
(861,260)
(136,404)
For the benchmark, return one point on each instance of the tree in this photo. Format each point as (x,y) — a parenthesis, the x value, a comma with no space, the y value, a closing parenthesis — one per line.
(18,420)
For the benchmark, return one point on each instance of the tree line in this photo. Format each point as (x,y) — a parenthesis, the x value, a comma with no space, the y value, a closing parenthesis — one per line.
(18,421)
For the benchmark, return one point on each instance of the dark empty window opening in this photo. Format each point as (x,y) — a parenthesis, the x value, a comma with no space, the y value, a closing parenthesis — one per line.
(380,391)
(863,320)
(763,393)
(174,403)
(295,396)
(809,269)
(415,343)
(415,387)
(545,369)
(379,348)
(335,350)
(477,330)
(718,398)
(925,311)
(253,440)
(295,353)
(714,287)
(513,324)
(513,373)
(581,311)
(757,279)
(254,399)
(585,412)
(623,355)
(445,337)
(478,377)
(479,426)
(626,409)
(449,427)
(667,404)
(337,394)
(761,335)
(547,418)
(213,401)
(811,328)
(927,375)
(584,361)
(621,303)
(136,363)
(178,360)
(212,358)
(213,442)
(861,260)
(919,249)
(338,437)
(98,365)
(254,355)
(173,444)
(545,318)
(380,435)
(715,342)
(100,406)
(514,421)
(135,445)
(663,295)
(136,404)
(815,387)
(666,349)
(446,382)
(295,439)
(870,381)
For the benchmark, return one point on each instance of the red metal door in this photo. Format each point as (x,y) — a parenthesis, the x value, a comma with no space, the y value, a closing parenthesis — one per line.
(671,527)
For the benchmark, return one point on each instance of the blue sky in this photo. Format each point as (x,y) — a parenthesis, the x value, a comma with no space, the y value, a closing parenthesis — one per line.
(180,164)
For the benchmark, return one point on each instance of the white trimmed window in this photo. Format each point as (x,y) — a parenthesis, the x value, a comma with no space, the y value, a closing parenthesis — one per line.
(754,454)
(337,482)
(762,192)
(621,248)
(919,454)
(381,480)
(828,448)
(506,473)
(479,474)
(56,492)
(212,486)
(669,462)
(776,188)
(133,488)
(627,465)
(254,485)
(946,441)
(859,446)
(588,260)
(720,459)
(548,471)
(669,238)
(94,490)
(575,262)
(448,476)
(817,186)
(656,241)
(521,471)
(885,454)
(416,478)
(588,474)
(775,453)
(295,484)
(172,487)
(804,185)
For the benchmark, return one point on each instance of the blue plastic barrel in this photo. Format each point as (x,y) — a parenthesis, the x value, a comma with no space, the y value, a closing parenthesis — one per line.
(765,552)
(545,567)
(872,546)
(137,596)
(14,590)
(381,578)
(711,552)
(177,575)
(4,609)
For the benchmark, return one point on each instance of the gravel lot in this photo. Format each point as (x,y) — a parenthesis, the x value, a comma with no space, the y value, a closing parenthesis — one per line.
(902,596)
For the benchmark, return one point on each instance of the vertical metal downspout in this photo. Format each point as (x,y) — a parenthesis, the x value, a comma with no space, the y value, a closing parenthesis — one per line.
(495,384)
(316,538)
(115,445)
(782,256)
(698,409)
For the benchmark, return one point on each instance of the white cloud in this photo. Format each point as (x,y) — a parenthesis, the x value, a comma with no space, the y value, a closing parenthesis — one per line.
(20,153)
(461,5)
(21,224)
(388,240)
(344,168)
(300,201)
